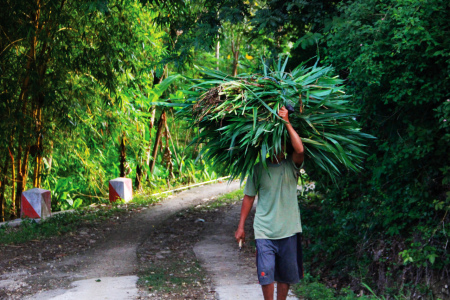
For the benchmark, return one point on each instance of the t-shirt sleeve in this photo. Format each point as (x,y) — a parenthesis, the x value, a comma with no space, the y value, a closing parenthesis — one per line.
(251,188)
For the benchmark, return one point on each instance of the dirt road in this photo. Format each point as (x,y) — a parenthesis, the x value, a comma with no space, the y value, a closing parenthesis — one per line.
(108,268)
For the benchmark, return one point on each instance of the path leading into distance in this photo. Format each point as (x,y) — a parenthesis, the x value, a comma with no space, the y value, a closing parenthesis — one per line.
(109,271)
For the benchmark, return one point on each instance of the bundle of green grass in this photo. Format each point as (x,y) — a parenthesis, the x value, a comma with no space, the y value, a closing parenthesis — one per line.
(239,124)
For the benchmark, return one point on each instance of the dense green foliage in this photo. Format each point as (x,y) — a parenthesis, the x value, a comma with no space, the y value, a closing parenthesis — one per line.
(64,76)
(390,224)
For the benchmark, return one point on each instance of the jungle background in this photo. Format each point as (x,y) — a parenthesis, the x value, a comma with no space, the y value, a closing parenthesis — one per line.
(89,92)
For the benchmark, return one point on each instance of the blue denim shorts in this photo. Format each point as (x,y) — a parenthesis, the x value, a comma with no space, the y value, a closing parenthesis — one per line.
(279,260)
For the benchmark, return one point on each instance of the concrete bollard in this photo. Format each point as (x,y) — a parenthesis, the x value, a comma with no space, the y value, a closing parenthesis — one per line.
(36,203)
(120,188)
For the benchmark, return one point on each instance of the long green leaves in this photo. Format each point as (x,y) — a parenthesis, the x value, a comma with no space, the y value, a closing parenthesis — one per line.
(239,125)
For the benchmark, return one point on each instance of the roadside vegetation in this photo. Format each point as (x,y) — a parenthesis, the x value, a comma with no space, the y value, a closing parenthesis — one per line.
(63,223)
(90,216)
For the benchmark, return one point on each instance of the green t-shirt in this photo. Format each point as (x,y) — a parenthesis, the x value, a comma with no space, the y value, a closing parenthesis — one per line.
(277,212)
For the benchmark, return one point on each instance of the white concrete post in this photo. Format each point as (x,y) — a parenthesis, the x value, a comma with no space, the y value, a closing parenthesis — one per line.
(120,188)
(36,203)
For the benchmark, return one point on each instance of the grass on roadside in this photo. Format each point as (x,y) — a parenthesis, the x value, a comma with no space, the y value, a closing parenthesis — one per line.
(58,224)
(231,196)
(226,199)
(63,223)
(173,277)
(220,201)
(143,199)
(311,289)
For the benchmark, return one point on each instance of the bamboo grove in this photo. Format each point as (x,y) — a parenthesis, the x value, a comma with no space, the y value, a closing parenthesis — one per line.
(79,85)
(63,65)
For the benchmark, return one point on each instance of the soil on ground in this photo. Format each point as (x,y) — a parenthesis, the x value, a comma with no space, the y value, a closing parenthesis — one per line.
(30,259)
(162,236)
(168,255)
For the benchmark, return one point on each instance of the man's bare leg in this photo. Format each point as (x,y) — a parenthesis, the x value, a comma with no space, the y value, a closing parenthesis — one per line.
(282,290)
(268,291)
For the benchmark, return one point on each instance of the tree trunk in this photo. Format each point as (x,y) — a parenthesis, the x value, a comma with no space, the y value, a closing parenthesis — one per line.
(167,152)
(38,157)
(3,184)
(13,174)
(156,80)
(22,162)
(141,172)
(171,140)
(217,54)
(150,127)
(235,46)
(122,157)
(50,157)
(138,179)
(161,122)
(22,176)
(39,102)
(235,64)
(235,51)
(19,177)
(2,201)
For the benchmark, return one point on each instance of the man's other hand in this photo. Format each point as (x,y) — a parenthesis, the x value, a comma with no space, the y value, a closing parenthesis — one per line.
(284,114)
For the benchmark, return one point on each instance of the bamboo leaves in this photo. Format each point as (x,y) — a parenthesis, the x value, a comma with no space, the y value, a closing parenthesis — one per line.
(239,124)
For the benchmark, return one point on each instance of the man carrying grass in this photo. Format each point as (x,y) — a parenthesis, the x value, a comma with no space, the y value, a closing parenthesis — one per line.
(277,218)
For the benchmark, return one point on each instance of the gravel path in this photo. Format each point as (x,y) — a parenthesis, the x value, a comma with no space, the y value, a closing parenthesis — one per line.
(109,269)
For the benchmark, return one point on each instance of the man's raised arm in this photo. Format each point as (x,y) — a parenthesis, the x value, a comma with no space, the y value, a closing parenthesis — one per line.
(296,141)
